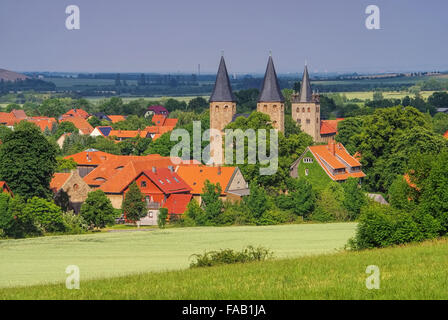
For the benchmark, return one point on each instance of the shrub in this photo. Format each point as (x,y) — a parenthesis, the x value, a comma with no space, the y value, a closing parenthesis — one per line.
(46,215)
(329,205)
(74,222)
(161,218)
(276,216)
(381,226)
(229,256)
(97,210)
(354,198)
(235,214)
(195,213)
(134,208)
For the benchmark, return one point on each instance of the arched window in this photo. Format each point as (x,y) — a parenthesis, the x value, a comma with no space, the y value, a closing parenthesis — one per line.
(298,110)
(317,120)
(217,108)
(308,121)
(309,109)
(275,106)
(75,187)
(265,107)
(303,109)
(317,109)
(226,107)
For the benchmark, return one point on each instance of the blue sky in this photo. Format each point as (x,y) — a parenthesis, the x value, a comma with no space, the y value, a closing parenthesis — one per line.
(177,35)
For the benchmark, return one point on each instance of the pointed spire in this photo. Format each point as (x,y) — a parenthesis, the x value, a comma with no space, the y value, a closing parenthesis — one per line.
(222,91)
(270,91)
(305,88)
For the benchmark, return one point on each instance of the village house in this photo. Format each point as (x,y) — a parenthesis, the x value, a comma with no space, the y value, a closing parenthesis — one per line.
(233,185)
(73,185)
(318,163)
(5,188)
(160,110)
(79,113)
(81,124)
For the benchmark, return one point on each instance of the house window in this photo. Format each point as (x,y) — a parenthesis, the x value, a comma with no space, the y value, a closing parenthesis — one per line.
(150,214)
(143,184)
(303,109)
(265,107)
(308,121)
(307,160)
(317,109)
(307,172)
(75,187)
(299,120)
(298,110)
(317,120)
(161,181)
(309,109)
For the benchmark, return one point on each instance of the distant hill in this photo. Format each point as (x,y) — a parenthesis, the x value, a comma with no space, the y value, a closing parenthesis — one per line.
(7,75)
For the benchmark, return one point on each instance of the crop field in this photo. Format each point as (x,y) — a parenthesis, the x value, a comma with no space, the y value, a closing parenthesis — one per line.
(27,262)
(368,95)
(414,271)
(160,99)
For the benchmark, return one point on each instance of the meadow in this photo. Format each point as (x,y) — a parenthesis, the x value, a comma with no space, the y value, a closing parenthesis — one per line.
(32,261)
(414,271)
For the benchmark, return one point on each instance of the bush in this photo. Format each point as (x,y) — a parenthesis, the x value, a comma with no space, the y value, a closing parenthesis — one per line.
(229,256)
(276,216)
(46,215)
(381,226)
(329,205)
(235,214)
(161,218)
(97,210)
(75,223)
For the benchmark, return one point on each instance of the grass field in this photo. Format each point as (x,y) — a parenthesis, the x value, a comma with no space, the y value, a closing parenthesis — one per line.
(43,260)
(368,95)
(417,271)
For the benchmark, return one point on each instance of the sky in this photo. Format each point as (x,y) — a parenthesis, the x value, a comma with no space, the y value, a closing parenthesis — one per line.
(177,35)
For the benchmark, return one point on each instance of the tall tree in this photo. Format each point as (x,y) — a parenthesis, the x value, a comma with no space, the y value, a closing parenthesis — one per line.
(28,161)
(97,210)
(134,208)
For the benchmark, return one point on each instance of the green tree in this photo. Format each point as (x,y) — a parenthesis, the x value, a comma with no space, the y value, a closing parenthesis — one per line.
(134,208)
(97,210)
(257,201)
(161,218)
(354,197)
(212,203)
(27,161)
(400,195)
(195,213)
(303,198)
(45,214)
(329,204)
(197,104)
(65,127)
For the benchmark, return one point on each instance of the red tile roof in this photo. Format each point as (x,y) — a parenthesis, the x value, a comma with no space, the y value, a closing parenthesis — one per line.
(19,114)
(195,176)
(91,158)
(128,133)
(76,113)
(177,203)
(43,122)
(5,188)
(168,181)
(81,124)
(171,122)
(329,126)
(158,119)
(58,181)
(340,159)
(116,118)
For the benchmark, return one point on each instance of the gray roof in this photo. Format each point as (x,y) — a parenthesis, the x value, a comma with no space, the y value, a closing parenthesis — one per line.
(222,91)
(236,115)
(305,88)
(270,91)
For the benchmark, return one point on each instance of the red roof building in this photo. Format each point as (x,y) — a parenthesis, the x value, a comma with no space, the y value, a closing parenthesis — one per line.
(5,188)
(75,113)
(83,126)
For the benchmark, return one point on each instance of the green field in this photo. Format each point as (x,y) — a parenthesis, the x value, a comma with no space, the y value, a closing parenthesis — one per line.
(43,260)
(368,95)
(416,271)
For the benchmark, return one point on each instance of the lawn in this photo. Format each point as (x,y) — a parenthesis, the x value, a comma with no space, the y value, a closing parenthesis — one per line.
(416,271)
(27,262)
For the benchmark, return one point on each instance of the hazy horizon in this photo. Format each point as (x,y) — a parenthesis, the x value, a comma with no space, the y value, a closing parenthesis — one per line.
(175,36)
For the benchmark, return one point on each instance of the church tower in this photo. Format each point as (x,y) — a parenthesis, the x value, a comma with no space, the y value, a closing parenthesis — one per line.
(271,100)
(222,100)
(306,108)
(222,110)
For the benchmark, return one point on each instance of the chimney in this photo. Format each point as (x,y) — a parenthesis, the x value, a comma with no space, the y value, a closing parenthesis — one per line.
(171,168)
(332,147)
(154,169)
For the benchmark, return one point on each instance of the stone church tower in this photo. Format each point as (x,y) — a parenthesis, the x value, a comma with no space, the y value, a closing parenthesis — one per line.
(222,110)
(271,100)
(222,100)
(306,108)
